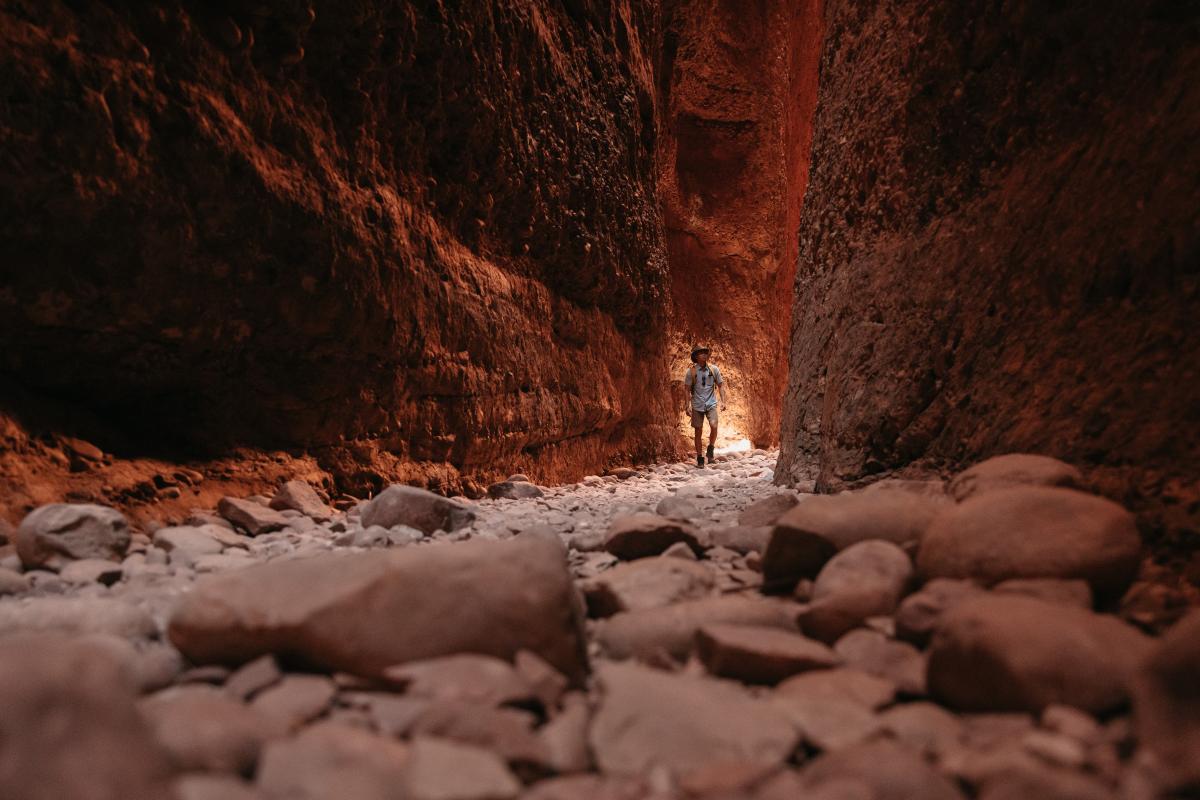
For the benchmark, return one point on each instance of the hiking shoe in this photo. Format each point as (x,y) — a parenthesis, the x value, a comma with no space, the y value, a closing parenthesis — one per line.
(710,452)
(699,461)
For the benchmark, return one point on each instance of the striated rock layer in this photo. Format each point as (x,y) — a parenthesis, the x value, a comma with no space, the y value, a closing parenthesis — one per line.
(421,242)
(1000,242)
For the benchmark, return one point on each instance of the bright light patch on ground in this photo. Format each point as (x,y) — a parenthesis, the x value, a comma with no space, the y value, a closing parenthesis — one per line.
(739,446)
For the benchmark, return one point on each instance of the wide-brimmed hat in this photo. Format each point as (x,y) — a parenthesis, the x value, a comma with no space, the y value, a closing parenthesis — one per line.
(697,351)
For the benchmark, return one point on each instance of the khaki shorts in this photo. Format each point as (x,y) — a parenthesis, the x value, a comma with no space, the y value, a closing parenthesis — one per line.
(698,417)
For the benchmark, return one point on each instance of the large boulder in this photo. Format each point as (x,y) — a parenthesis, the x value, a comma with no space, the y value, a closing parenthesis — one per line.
(642,535)
(55,534)
(672,629)
(417,508)
(649,719)
(806,537)
(867,579)
(1166,705)
(70,727)
(1014,653)
(364,612)
(1013,469)
(1034,532)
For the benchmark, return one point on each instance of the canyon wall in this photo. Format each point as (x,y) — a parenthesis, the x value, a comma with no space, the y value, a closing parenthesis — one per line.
(422,242)
(737,86)
(1000,243)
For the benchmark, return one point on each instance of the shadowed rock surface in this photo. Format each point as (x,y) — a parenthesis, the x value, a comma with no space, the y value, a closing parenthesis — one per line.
(999,244)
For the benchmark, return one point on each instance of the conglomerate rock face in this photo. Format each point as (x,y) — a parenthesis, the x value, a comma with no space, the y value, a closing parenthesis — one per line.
(1000,241)
(415,240)
(737,86)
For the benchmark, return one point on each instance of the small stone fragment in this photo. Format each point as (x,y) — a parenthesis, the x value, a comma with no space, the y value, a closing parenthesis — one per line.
(91,570)
(464,677)
(918,614)
(678,508)
(649,719)
(646,583)
(765,512)
(643,535)
(12,582)
(565,736)
(442,770)
(295,700)
(890,771)
(672,629)
(1069,592)
(251,517)
(329,760)
(759,655)
(300,496)
(203,730)
(873,653)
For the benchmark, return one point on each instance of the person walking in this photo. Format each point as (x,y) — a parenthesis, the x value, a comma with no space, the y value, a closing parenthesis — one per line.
(703,382)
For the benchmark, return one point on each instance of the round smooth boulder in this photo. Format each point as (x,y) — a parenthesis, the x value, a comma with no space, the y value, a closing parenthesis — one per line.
(417,508)
(1034,532)
(1013,653)
(1013,469)
(806,537)
(53,535)
(867,579)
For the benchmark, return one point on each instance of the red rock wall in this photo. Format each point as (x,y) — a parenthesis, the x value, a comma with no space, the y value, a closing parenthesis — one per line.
(1000,243)
(737,87)
(422,241)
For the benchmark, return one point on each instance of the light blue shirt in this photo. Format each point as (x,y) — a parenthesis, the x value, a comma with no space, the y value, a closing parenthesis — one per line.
(704,390)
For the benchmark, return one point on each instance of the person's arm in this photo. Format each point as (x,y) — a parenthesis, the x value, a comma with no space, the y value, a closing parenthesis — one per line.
(721,389)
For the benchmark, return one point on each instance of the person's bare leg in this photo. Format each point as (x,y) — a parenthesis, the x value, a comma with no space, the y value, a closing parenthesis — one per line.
(712,435)
(699,440)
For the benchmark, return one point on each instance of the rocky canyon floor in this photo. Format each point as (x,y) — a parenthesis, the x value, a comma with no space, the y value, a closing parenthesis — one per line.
(663,631)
